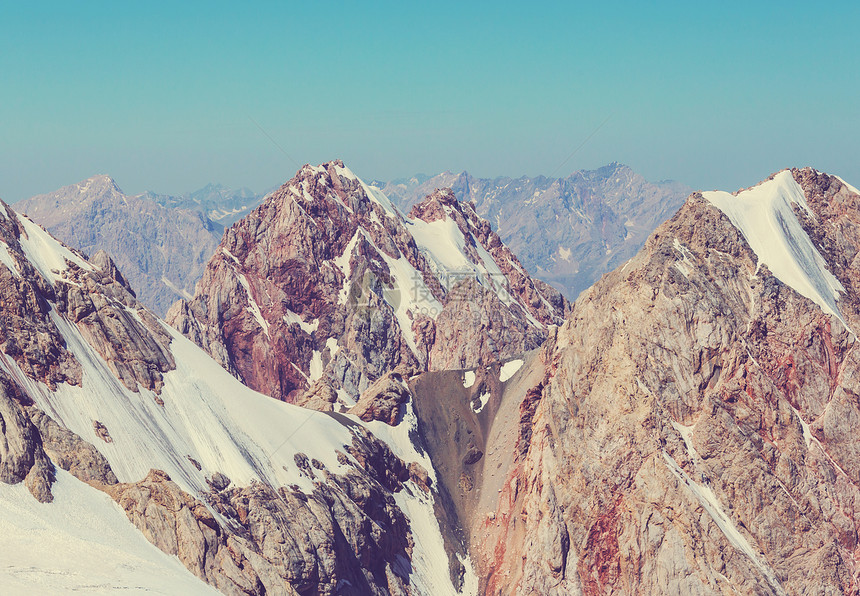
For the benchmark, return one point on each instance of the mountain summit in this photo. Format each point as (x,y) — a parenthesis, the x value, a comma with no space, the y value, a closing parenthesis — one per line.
(327,286)
(691,428)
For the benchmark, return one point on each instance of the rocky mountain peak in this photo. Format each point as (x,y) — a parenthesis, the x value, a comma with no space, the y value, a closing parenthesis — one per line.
(437,205)
(100,181)
(688,429)
(328,262)
(96,189)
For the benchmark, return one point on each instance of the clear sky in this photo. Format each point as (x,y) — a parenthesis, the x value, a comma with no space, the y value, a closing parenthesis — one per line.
(169,96)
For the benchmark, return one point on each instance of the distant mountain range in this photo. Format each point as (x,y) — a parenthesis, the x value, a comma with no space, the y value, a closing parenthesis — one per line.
(566,231)
(221,204)
(161,243)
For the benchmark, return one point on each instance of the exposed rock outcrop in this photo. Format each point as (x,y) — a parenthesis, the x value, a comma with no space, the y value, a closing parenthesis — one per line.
(22,457)
(688,429)
(328,280)
(383,400)
(347,537)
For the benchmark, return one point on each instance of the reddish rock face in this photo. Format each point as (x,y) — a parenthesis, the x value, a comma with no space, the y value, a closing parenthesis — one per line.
(327,280)
(693,429)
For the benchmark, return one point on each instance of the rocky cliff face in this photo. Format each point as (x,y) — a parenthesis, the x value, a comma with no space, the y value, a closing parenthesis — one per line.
(252,495)
(327,282)
(567,231)
(691,427)
(162,251)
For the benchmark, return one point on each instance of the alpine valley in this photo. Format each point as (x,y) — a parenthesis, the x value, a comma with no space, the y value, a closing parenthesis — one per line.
(360,398)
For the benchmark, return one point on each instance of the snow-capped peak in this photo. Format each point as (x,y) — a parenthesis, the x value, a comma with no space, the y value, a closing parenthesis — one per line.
(99,183)
(765,216)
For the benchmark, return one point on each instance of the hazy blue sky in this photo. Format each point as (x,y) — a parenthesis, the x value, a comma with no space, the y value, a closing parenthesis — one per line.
(164,96)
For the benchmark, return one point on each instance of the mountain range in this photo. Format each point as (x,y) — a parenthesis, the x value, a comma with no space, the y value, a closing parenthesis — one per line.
(442,422)
(567,231)
(223,205)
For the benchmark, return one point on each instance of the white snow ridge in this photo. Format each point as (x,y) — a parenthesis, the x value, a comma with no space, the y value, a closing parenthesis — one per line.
(765,216)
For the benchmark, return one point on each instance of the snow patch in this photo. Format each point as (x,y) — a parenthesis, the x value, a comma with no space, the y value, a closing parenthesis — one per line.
(316,366)
(469,378)
(343,263)
(686,433)
(509,369)
(291,318)
(345,398)
(765,217)
(482,401)
(708,500)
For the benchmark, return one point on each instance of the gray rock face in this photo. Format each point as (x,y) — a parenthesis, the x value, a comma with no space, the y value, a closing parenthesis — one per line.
(383,400)
(162,251)
(71,453)
(22,457)
(691,428)
(566,231)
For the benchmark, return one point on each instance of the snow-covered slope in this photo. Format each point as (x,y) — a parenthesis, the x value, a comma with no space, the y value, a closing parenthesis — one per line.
(81,543)
(765,216)
(197,423)
(207,415)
